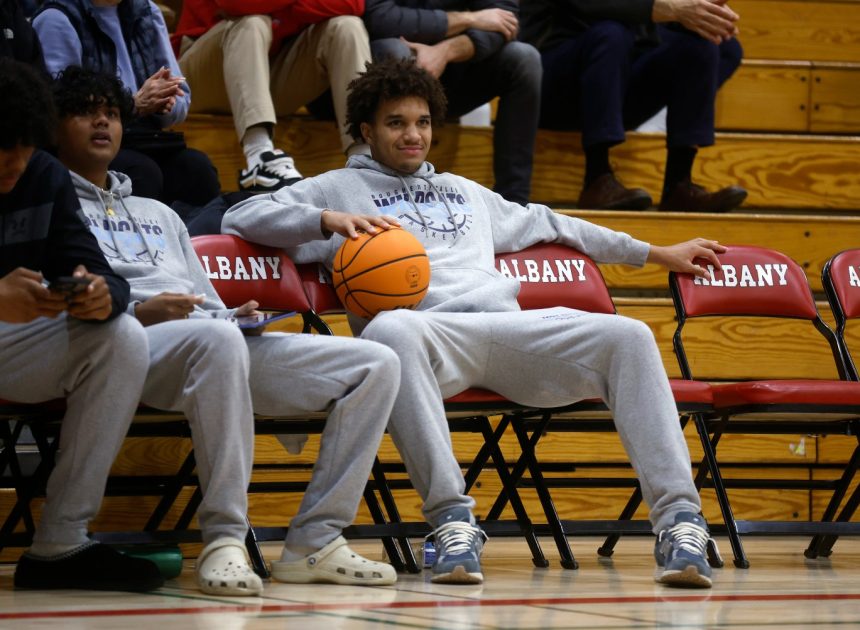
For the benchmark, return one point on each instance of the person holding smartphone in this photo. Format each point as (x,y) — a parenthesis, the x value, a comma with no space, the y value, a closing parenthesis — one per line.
(202,364)
(56,343)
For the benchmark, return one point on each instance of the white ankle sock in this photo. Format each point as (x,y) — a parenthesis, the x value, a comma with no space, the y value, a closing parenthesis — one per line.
(255,141)
(50,550)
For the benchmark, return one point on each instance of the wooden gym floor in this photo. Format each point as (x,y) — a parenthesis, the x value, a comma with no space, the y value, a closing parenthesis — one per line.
(781,590)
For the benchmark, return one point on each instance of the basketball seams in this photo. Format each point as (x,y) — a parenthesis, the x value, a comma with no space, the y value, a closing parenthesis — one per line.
(346,279)
(356,253)
(373,288)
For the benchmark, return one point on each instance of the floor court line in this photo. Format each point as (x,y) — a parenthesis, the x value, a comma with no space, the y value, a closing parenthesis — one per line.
(525,601)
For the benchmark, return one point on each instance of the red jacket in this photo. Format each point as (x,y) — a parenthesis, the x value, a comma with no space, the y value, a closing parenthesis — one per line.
(288,16)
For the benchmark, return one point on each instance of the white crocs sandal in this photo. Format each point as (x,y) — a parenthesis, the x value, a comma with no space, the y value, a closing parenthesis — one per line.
(335,563)
(224,568)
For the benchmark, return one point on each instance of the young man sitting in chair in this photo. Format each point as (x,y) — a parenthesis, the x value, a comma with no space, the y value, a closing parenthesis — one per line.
(469,330)
(201,364)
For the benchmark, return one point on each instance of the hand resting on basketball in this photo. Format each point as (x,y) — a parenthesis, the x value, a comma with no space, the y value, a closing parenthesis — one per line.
(349,225)
(682,256)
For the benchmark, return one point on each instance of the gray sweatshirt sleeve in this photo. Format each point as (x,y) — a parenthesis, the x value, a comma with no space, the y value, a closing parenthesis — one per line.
(288,218)
(516,227)
(212,303)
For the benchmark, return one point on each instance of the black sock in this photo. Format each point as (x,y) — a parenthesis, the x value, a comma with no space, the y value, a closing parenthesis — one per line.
(596,162)
(679,166)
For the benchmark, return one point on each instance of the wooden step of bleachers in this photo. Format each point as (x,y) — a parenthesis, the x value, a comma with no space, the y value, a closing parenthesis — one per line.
(791,96)
(781,172)
(815,30)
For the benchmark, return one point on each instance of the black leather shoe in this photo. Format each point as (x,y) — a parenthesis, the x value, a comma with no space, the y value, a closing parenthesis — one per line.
(689,197)
(91,567)
(607,193)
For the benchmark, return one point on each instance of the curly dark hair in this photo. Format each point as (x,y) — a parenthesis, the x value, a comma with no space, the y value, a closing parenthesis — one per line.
(26,110)
(79,91)
(387,80)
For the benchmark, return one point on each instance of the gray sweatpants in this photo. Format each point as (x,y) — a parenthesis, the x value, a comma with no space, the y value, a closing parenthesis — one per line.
(100,369)
(545,358)
(200,367)
(203,368)
(357,382)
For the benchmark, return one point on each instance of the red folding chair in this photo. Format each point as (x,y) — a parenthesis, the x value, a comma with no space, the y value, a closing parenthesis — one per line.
(468,411)
(553,275)
(841,280)
(241,271)
(763,284)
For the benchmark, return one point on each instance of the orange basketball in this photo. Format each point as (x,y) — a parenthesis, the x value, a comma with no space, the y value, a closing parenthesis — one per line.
(381,272)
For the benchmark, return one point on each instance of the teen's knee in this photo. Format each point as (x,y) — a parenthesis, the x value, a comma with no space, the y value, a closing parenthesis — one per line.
(396,329)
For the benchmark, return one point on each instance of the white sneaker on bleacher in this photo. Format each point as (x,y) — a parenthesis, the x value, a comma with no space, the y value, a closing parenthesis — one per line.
(275,170)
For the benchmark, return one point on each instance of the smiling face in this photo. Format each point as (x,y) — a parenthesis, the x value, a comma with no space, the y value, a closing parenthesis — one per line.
(400,134)
(88,142)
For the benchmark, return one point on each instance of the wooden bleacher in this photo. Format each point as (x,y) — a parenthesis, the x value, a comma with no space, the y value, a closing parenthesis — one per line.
(789,132)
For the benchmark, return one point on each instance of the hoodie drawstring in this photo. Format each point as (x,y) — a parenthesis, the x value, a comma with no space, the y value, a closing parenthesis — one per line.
(439,195)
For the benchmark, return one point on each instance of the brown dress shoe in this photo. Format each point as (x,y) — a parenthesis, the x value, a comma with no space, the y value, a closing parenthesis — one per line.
(690,197)
(607,193)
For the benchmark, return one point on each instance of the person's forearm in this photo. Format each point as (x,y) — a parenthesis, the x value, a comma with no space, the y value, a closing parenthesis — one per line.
(663,11)
(458,48)
(458,21)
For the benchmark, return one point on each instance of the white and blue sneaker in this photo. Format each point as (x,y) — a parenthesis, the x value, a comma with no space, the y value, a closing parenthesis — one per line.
(458,553)
(681,553)
(275,170)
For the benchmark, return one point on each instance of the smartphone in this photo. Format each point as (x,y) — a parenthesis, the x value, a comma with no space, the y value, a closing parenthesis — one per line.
(260,320)
(68,285)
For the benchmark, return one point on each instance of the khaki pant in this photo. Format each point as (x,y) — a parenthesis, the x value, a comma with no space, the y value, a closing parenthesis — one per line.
(230,71)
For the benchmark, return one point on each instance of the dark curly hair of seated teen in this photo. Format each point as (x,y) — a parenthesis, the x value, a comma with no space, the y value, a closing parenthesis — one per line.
(78,91)
(26,110)
(388,80)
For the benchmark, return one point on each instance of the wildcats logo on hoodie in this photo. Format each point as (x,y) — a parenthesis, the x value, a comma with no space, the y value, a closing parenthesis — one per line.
(433,212)
(121,239)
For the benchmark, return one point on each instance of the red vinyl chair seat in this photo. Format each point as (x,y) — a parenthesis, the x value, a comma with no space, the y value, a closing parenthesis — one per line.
(787,392)
(688,392)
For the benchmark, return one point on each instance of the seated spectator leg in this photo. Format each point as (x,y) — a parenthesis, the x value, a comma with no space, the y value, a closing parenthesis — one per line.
(200,367)
(353,379)
(329,54)
(100,369)
(681,74)
(146,177)
(228,69)
(584,82)
(514,75)
(606,356)
(190,177)
(389,47)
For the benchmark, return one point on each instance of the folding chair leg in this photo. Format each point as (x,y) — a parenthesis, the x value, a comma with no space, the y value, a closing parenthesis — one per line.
(825,547)
(391,549)
(821,544)
(410,565)
(9,439)
(257,561)
(553,520)
(740,559)
(38,480)
(171,493)
(608,547)
(517,471)
(190,510)
(510,488)
(483,455)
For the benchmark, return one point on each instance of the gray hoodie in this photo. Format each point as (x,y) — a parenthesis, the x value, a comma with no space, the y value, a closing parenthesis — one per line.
(461,224)
(146,243)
